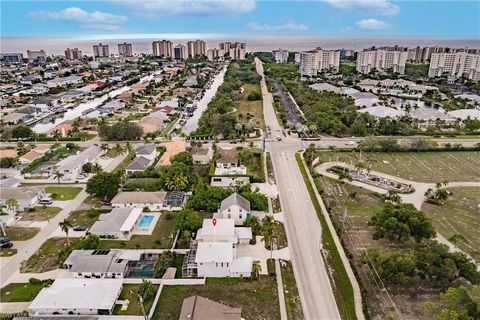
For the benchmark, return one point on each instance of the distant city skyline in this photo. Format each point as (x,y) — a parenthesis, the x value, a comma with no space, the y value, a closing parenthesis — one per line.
(242,18)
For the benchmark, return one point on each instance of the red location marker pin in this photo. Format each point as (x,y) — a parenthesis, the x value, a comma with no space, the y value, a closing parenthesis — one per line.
(214,221)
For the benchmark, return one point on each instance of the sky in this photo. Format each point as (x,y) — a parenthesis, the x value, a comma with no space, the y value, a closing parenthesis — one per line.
(247,18)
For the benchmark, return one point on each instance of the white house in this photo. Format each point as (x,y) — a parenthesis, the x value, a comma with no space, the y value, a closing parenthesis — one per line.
(228,163)
(117,224)
(229,181)
(71,166)
(64,81)
(219,260)
(27,197)
(234,207)
(77,297)
(139,199)
(97,263)
(201,155)
(223,231)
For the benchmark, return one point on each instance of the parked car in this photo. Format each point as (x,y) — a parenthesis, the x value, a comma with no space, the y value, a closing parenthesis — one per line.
(5,243)
(45,201)
(80,228)
(350,143)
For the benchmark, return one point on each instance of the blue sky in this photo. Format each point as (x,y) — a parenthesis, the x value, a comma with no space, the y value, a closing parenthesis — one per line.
(339,18)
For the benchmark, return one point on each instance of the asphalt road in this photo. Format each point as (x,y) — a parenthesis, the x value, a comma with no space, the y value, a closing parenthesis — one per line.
(303,228)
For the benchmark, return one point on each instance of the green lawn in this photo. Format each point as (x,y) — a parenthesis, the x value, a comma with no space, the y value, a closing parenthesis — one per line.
(47,257)
(420,166)
(21,233)
(129,292)
(290,290)
(39,213)
(20,292)
(257,298)
(161,238)
(63,193)
(250,111)
(458,220)
(85,218)
(342,287)
(7,252)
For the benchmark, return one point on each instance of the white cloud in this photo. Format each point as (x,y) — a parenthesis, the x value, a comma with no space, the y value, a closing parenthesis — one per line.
(86,20)
(159,8)
(371,24)
(377,7)
(288,26)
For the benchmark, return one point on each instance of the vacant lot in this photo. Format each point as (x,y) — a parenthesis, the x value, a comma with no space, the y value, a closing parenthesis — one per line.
(39,213)
(459,219)
(250,111)
(129,292)
(257,298)
(419,166)
(21,233)
(20,292)
(63,193)
(48,255)
(161,238)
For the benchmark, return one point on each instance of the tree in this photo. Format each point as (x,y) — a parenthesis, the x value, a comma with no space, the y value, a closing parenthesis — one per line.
(183,157)
(22,132)
(56,135)
(58,175)
(87,167)
(12,204)
(269,233)
(256,268)
(178,176)
(103,185)
(188,220)
(145,289)
(396,267)
(91,242)
(166,260)
(206,197)
(254,224)
(400,222)
(65,226)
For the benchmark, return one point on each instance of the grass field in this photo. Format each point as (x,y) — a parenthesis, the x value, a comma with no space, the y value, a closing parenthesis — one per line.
(161,238)
(257,298)
(290,290)
(21,233)
(420,166)
(85,218)
(458,220)
(129,292)
(39,213)
(20,292)
(7,252)
(47,257)
(250,110)
(63,193)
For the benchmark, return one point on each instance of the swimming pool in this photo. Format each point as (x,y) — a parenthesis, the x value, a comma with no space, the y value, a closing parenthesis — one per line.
(145,222)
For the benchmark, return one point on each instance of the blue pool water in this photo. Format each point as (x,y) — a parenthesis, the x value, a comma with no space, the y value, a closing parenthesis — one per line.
(145,222)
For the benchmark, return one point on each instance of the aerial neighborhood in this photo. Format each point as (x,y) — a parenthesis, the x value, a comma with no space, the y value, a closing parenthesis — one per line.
(175,179)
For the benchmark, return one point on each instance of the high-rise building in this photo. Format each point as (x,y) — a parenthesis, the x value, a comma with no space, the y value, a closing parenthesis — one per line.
(382,60)
(180,52)
(39,55)
(196,48)
(11,57)
(101,50)
(235,50)
(215,54)
(125,49)
(455,65)
(313,62)
(163,48)
(280,56)
(346,53)
(73,54)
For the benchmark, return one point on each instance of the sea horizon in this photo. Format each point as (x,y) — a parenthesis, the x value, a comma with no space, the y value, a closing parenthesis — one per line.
(141,43)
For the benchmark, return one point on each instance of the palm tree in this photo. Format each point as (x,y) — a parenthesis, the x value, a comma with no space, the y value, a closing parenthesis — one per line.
(269,234)
(65,225)
(12,204)
(177,182)
(256,268)
(56,135)
(104,147)
(97,167)
(128,146)
(58,175)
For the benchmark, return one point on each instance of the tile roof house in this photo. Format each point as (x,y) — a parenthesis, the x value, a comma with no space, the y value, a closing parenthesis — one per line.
(77,297)
(200,308)
(117,224)
(8,153)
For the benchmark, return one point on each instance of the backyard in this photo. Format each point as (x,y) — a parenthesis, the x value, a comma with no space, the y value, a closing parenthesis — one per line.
(21,233)
(458,220)
(39,213)
(129,292)
(161,238)
(418,166)
(63,193)
(48,256)
(257,298)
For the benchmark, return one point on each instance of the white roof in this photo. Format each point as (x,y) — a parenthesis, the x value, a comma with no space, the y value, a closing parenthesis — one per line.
(78,294)
(242,264)
(119,219)
(430,114)
(382,112)
(224,227)
(131,219)
(214,252)
(243,232)
(465,113)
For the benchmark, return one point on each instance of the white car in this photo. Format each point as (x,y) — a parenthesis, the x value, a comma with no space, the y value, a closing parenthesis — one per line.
(350,143)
